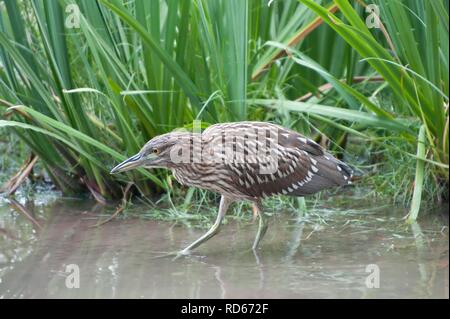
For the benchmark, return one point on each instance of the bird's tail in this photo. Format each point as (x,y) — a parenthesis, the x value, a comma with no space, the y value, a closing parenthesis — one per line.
(330,172)
(352,173)
(337,172)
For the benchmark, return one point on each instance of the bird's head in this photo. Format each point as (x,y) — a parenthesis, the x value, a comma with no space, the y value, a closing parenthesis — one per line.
(158,152)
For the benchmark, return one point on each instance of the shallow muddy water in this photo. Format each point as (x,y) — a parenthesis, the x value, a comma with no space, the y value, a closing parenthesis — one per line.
(328,254)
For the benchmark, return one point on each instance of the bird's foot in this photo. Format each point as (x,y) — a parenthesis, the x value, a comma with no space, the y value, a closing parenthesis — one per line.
(175,254)
(182,253)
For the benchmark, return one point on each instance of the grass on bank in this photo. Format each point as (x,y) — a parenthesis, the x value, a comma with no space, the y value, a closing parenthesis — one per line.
(84,98)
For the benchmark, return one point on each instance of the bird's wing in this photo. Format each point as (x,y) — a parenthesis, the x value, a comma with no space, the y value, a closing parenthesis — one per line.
(300,167)
(296,165)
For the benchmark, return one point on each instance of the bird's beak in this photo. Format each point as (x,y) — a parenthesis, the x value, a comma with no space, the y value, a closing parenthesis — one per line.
(132,162)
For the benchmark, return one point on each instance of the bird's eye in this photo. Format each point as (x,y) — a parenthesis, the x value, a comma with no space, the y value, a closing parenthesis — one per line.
(155,151)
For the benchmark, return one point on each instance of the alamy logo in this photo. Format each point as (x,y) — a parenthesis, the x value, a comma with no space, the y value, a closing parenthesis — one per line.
(373,19)
(73,276)
(73,17)
(247,145)
(373,279)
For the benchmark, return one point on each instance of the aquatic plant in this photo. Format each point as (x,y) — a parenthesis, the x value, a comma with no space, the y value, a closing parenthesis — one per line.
(85,84)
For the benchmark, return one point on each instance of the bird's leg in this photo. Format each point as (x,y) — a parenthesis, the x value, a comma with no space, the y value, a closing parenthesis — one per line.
(262,227)
(255,212)
(224,204)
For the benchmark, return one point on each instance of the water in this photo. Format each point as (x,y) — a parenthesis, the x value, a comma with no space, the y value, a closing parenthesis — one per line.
(325,255)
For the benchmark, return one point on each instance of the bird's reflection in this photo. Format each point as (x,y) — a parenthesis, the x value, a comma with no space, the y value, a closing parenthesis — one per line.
(295,241)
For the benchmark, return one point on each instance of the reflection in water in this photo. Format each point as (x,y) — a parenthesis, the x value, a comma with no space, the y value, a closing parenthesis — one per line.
(321,255)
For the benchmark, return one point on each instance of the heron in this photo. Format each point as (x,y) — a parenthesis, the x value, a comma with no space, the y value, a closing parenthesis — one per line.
(242,161)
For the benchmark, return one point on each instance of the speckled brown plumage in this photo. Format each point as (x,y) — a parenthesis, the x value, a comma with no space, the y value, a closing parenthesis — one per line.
(303,166)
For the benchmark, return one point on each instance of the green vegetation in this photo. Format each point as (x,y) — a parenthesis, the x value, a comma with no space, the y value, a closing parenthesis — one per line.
(85,92)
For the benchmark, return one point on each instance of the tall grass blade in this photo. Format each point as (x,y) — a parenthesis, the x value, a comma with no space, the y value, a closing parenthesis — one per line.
(420,173)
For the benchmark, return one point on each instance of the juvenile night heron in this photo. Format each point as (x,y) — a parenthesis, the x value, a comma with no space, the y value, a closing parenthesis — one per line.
(243,161)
